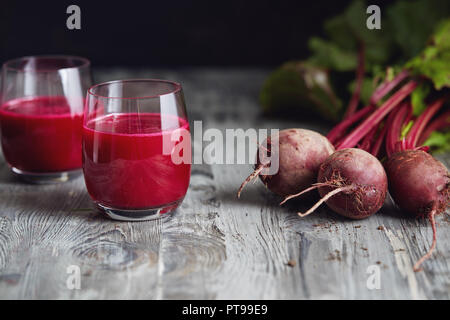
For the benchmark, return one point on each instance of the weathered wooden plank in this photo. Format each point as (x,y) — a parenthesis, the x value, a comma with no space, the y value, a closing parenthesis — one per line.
(46,234)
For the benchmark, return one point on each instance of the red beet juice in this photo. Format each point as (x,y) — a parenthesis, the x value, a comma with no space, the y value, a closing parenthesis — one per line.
(41,134)
(124,163)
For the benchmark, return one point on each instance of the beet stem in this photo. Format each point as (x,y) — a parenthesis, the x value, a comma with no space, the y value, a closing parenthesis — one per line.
(394,122)
(339,130)
(250,178)
(386,87)
(442,122)
(353,104)
(374,119)
(378,142)
(416,267)
(314,186)
(421,122)
(325,198)
(367,141)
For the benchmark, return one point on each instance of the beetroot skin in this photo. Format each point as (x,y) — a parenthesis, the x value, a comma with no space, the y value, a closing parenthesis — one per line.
(360,176)
(301,152)
(418,182)
(419,185)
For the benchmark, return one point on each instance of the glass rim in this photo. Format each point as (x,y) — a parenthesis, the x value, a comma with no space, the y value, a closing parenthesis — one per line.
(84,63)
(177,88)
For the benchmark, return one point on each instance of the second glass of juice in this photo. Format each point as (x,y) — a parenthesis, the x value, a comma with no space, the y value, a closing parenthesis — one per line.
(136,148)
(41,115)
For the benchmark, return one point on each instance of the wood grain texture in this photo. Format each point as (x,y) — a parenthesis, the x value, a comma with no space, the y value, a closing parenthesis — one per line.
(214,246)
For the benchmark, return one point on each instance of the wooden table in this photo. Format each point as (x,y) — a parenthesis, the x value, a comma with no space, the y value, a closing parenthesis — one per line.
(215,246)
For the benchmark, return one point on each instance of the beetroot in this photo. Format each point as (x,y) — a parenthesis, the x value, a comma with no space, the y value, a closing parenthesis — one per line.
(352,182)
(301,152)
(419,185)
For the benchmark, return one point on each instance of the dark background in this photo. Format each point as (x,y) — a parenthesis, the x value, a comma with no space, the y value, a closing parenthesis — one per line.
(167,33)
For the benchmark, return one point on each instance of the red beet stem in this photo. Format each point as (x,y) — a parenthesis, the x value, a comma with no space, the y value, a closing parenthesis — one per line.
(374,119)
(423,148)
(395,121)
(368,140)
(352,106)
(386,87)
(427,255)
(377,145)
(440,123)
(352,117)
(339,130)
(421,122)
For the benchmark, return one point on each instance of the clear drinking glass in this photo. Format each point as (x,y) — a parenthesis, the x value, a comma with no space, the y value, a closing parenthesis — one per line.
(41,112)
(136,148)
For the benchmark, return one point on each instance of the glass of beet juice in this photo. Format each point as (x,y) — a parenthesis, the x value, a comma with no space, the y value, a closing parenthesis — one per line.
(136,148)
(41,116)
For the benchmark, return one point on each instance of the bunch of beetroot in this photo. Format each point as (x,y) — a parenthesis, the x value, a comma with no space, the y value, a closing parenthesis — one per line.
(418,183)
(346,166)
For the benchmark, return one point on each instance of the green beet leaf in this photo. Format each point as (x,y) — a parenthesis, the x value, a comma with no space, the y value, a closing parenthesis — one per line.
(418,98)
(439,142)
(434,61)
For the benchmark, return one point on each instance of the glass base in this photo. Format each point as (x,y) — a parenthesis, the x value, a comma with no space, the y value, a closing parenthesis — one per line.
(47,177)
(140,214)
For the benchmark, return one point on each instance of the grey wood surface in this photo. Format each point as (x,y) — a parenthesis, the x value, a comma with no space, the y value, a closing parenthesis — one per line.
(214,246)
